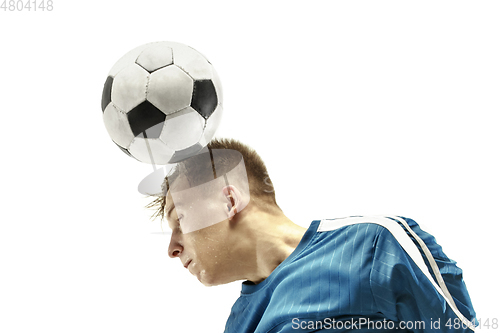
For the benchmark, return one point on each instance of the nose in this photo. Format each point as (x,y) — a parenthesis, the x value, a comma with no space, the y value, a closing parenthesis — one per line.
(174,248)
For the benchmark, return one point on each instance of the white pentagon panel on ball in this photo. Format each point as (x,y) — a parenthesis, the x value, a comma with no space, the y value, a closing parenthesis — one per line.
(211,126)
(117,125)
(182,129)
(127,59)
(170,89)
(192,62)
(129,87)
(152,151)
(156,56)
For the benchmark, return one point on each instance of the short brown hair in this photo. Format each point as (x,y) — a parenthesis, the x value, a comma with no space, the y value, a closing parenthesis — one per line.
(260,184)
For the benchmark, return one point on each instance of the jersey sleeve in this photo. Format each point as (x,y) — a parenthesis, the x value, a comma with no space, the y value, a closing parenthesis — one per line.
(404,294)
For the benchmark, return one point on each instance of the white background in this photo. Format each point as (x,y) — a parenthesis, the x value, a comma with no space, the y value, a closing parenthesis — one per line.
(357,107)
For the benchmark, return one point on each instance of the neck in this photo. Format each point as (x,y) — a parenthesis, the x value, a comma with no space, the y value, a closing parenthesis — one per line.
(269,239)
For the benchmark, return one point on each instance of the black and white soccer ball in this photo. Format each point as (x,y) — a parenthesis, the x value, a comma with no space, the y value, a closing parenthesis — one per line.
(162,102)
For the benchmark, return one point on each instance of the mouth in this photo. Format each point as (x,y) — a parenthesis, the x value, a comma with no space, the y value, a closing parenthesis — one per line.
(187,263)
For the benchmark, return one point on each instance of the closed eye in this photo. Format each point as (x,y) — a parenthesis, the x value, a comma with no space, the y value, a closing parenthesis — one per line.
(178,226)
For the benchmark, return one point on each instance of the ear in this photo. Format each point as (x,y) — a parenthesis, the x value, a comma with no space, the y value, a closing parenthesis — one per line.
(234,200)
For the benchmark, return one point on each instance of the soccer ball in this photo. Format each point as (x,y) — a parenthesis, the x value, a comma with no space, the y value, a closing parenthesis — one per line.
(162,102)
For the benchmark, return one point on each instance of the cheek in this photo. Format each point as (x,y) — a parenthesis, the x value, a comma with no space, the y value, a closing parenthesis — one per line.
(209,246)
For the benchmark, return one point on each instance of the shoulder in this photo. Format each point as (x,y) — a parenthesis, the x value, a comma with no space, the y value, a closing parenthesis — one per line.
(340,241)
(366,233)
(356,236)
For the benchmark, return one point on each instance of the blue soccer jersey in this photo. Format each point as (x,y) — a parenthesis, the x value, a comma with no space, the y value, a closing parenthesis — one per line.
(368,274)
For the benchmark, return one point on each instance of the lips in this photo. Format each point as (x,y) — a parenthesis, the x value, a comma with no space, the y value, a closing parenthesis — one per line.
(187,263)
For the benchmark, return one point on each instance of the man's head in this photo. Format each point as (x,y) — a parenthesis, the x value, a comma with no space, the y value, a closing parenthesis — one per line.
(208,203)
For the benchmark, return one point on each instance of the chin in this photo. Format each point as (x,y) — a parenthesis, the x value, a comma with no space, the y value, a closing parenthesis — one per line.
(209,280)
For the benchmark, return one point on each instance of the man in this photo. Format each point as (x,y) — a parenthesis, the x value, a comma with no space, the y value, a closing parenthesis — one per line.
(359,273)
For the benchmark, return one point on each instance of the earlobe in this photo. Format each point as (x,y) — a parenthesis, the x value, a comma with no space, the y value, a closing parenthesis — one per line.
(231,208)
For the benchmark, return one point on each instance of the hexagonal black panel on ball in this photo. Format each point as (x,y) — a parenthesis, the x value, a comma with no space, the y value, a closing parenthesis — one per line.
(143,117)
(204,99)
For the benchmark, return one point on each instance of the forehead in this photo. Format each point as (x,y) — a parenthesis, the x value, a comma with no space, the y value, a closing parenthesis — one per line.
(176,187)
